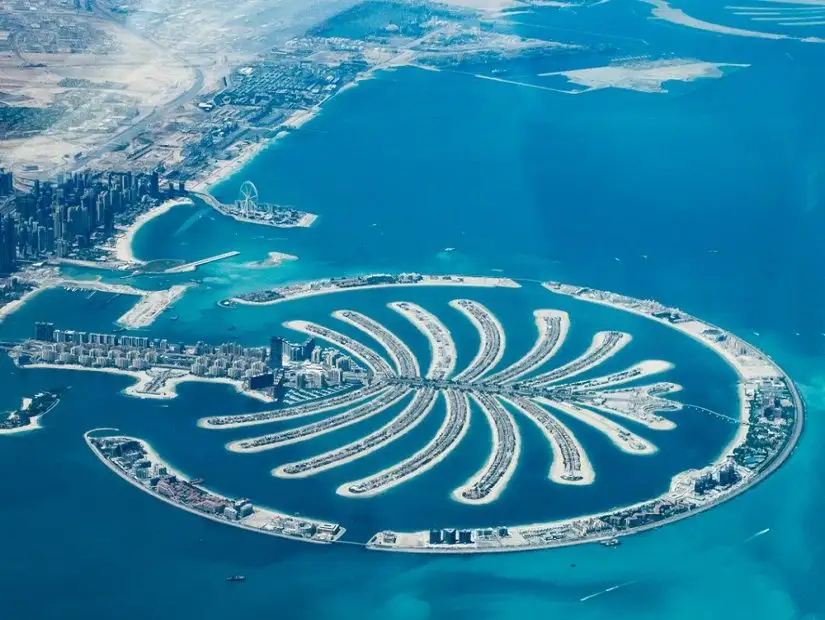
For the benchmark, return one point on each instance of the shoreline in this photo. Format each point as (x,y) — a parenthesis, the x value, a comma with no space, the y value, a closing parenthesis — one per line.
(151,305)
(123,243)
(33,425)
(226,168)
(16,304)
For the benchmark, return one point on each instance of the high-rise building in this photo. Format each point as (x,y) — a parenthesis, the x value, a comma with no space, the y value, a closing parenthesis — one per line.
(8,245)
(295,352)
(57,221)
(276,352)
(307,348)
(44,331)
(6,182)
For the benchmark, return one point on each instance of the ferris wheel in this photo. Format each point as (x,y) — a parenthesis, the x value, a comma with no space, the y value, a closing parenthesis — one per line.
(248,200)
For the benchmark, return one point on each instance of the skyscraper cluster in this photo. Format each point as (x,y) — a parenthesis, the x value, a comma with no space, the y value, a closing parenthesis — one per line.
(8,253)
(73,213)
(6,183)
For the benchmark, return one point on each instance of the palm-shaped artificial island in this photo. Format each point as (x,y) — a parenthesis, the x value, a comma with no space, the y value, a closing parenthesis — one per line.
(622,405)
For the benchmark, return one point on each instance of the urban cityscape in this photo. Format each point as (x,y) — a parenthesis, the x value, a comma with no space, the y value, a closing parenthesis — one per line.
(282,372)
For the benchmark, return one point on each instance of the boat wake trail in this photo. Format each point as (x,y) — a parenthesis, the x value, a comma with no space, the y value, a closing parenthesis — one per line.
(757,535)
(606,590)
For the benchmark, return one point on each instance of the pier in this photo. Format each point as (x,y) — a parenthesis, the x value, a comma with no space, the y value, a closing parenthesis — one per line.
(187,267)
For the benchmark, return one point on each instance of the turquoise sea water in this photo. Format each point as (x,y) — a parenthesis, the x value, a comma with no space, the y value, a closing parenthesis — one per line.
(709,198)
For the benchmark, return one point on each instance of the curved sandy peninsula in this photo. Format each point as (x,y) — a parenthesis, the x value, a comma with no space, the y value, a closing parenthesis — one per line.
(380,402)
(640,370)
(570,464)
(552,326)
(604,346)
(441,342)
(621,437)
(33,425)
(449,435)
(412,415)
(374,362)
(491,336)
(326,287)
(262,520)
(405,362)
(289,413)
(489,482)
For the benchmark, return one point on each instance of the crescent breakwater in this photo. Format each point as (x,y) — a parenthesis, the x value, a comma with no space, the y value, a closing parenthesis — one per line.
(135,461)
(372,281)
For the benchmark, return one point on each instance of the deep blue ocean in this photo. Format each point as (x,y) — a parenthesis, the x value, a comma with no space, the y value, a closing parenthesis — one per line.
(708,197)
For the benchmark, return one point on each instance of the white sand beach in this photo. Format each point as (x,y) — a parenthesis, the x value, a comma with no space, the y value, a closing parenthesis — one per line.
(123,244)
